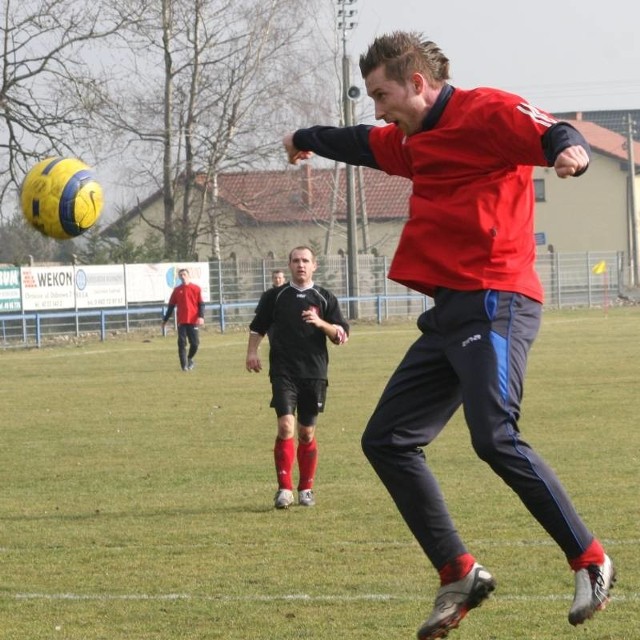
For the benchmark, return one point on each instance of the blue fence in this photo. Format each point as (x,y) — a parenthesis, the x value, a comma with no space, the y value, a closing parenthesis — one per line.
(570,280)
(44,327)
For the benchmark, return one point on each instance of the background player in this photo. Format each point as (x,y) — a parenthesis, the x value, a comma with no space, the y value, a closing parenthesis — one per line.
(277,277)
(299,317)
(187,296)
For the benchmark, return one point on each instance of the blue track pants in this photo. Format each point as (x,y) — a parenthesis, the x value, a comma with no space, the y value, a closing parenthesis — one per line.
(472,352)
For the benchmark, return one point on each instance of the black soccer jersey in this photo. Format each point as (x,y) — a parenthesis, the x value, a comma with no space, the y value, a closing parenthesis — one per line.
(297,349)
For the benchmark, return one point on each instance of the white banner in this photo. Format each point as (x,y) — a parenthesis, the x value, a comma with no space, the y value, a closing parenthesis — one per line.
(47,288)
(100,286)
(96,286)
(155,282)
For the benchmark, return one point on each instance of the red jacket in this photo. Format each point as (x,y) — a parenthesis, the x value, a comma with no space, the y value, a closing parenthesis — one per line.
(188,299)
(471,213)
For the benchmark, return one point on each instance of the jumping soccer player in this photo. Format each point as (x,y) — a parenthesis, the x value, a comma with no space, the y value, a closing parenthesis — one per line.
(468,243)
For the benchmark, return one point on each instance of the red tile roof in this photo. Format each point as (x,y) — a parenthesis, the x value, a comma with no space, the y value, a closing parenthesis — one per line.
(307,193)
(606,141)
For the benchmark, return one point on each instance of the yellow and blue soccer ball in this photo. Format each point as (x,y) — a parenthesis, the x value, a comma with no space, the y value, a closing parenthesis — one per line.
(61,197)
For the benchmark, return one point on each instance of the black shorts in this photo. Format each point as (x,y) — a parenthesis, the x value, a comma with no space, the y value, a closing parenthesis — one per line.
(306,396)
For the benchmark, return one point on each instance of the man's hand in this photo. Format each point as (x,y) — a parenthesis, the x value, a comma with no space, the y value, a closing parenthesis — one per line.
(310,316)
(253,359)
(571,161)
(253,363)
(334,332)
(293,153)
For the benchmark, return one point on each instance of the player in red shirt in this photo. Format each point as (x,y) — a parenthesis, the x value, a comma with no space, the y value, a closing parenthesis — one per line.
(187,296)
(468,243)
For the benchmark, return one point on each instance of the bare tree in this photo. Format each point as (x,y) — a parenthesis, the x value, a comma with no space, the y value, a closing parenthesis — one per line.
(47,85)
(20,244)
(219,100)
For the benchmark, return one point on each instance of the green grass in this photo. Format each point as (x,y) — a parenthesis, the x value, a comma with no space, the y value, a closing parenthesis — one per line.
(137,499)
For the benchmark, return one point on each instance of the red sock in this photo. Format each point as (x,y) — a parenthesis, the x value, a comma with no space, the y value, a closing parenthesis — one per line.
(594,554)
(456,569)
(307,463)
(284,453)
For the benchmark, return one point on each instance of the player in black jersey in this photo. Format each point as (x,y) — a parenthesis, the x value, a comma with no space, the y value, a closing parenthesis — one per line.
(278,277)
(299,317)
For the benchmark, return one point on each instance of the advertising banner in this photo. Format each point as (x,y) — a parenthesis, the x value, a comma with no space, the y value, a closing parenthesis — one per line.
(47,288)
(94,286)
(154,282)
(100,286)
(10,289)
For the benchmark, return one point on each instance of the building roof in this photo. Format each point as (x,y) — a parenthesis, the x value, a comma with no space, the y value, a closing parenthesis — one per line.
(308,194)
(606,141)
(615,120)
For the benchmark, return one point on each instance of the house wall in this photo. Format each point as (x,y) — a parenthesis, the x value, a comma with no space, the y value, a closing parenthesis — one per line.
(281,238)
(586,213)
(275,238)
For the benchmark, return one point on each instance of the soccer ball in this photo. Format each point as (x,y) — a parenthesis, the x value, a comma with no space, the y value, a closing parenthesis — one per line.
(61,197)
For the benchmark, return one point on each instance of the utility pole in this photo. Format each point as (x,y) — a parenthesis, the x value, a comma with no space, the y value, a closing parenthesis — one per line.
(346,23)
(634,219)
(364,218)
(332,210)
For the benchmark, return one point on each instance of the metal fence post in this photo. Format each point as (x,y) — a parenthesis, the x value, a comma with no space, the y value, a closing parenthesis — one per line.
(589,281)
(220,290)
(620,270)
(385,270)
(38,335)
(556,271)
(347,279)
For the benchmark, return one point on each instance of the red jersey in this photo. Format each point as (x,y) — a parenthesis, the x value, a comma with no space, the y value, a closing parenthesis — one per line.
(471,213)
(188,299)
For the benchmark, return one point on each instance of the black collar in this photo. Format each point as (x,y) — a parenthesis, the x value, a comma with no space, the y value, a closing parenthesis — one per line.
(431,119)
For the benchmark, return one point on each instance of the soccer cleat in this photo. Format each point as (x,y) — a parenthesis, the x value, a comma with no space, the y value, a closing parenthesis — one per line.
(283,499)
(592,590)
(306,498)
(190,365)
(455,600)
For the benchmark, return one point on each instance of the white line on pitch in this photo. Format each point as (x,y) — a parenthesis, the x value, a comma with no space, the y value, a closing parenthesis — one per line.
(390,544)
(366,597)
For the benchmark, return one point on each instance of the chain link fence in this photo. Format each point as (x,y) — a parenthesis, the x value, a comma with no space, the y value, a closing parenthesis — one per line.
(590,279)
(236,287)
(594,279)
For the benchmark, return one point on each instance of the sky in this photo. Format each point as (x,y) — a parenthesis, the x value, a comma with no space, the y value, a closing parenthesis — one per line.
(560,55)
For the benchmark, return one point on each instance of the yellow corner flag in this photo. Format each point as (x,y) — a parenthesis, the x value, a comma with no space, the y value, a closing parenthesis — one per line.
(599,268)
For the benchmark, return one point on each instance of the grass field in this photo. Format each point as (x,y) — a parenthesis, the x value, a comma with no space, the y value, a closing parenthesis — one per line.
(137,499)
